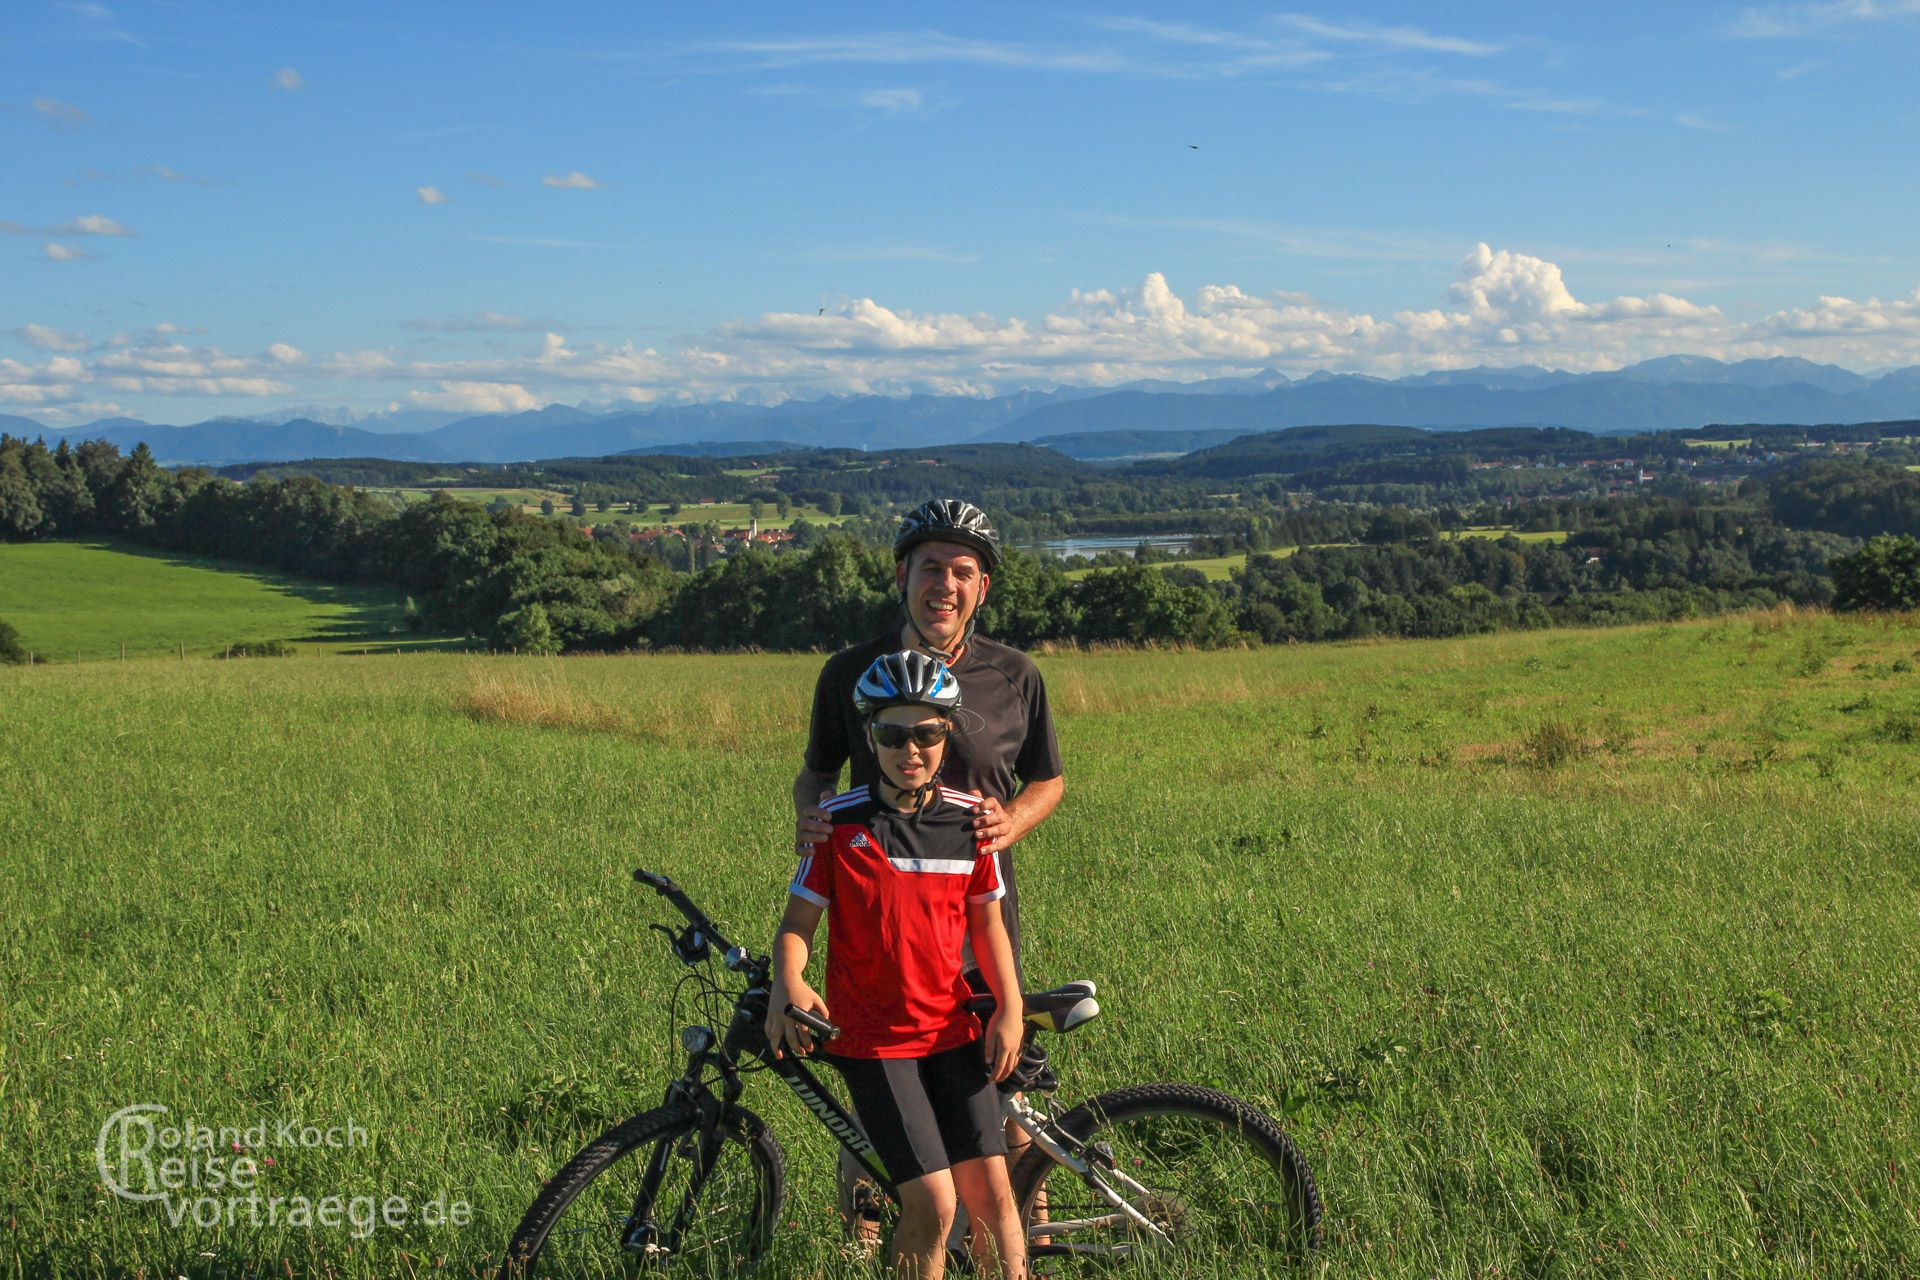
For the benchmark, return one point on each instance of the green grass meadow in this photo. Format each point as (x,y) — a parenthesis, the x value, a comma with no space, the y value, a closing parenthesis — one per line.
(94,598)
(1577,953)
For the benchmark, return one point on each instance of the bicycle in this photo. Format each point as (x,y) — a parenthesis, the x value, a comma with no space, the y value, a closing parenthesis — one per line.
(1149,1172)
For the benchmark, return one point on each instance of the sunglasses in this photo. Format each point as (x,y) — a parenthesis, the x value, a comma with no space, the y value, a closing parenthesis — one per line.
(895,736)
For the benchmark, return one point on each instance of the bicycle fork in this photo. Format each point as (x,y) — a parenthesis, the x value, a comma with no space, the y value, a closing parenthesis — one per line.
(643,1235)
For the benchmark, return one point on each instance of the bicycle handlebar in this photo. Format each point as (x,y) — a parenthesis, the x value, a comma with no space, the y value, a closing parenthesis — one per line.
(812,1021)
(677,896)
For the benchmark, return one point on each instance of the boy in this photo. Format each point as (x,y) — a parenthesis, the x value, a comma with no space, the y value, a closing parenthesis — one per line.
(903,884)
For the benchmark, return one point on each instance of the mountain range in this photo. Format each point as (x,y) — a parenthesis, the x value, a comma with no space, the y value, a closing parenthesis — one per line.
(1669,393)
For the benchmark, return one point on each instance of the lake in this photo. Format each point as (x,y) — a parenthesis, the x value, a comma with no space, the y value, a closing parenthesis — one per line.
(1093,546)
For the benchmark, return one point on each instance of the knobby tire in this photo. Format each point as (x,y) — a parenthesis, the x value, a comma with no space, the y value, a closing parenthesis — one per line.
(575,1225)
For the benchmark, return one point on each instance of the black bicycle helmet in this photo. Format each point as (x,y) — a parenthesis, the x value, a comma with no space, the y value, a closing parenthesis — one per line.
(907,679)
(949,520)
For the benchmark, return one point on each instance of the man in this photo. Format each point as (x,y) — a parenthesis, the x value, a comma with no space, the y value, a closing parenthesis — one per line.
(1003,749)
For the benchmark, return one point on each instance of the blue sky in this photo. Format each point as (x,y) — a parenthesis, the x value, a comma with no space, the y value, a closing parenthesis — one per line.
(236,209)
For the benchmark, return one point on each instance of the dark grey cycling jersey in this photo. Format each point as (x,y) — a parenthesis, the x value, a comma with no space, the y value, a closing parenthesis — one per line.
(1003,735)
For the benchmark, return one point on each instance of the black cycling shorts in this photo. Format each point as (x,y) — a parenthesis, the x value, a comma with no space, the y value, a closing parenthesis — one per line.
(926,1114)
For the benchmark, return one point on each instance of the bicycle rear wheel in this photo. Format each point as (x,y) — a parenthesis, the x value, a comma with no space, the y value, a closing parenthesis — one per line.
(1210,1177)
(627,1205)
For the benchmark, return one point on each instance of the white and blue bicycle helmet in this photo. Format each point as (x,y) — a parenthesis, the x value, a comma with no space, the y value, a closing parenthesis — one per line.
(907,679)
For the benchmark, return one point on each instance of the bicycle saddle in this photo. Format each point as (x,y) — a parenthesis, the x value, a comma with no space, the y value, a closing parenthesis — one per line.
(1060,1008)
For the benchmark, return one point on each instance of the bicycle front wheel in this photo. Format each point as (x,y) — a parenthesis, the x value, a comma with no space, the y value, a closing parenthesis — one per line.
(635,1202)
(1176,1171)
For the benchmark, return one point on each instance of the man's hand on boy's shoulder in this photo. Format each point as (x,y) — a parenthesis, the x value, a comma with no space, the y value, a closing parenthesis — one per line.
(996,826)
(992,828)
(812,828)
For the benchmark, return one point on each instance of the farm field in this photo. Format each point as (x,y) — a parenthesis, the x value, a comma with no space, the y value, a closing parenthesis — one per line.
(1221,568)
(94,597)
(728,515)
(1216,568)
(1564,953)
(1523,535)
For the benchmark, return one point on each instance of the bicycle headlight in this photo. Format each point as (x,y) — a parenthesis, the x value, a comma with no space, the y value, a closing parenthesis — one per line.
(697,1039)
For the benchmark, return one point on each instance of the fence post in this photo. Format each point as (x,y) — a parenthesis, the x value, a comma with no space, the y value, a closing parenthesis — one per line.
(123,651)
(183,650)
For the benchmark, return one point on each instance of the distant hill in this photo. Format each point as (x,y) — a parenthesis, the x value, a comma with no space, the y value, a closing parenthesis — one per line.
(1279,451)
(1606,404)
(226,440)
(1778,371)
(1101,446)
(717,449)
(1672,393)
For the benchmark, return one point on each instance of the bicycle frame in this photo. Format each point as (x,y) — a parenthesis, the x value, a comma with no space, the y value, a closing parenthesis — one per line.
(745,1038)
(1049,1138)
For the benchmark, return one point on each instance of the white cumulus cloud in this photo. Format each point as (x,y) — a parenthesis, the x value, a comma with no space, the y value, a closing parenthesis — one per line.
(476,397)
(65,253)
(1503,306)
(47,339)
(289,80)
(430,195)
(574,181)
(90,224)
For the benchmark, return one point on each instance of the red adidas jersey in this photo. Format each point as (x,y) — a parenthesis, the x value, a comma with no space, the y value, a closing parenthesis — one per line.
(896,888)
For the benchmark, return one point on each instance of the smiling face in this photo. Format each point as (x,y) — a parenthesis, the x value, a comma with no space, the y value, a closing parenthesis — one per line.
(944,584)
(908,766)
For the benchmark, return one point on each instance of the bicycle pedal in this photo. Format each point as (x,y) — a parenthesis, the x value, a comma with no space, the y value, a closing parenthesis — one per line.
(688,1147)
(867,1204)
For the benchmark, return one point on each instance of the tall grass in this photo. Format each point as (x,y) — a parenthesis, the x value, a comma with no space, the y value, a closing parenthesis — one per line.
(1640,1006)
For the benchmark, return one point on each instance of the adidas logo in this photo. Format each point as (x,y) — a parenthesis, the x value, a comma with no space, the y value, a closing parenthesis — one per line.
(860,841)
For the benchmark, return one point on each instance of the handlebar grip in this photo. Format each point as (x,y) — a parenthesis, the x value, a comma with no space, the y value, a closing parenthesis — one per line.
(658,883)
(812,1022)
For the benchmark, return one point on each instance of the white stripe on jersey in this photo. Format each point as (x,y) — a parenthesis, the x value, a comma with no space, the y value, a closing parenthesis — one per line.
(799,886)
(934,866)
(965,798)
(844,799)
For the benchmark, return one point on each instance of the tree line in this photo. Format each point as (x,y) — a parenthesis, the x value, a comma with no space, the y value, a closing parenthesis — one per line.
(508,579)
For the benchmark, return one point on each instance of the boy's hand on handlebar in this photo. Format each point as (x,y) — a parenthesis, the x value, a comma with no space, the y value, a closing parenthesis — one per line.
(784,1033)
(1002,1044)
